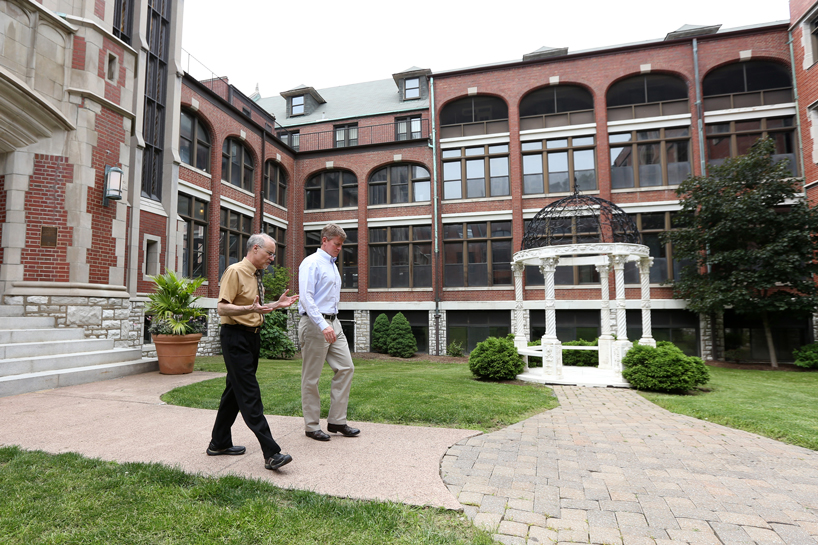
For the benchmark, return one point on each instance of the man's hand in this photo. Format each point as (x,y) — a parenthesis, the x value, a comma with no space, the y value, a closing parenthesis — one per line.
(329,334)
(284,301)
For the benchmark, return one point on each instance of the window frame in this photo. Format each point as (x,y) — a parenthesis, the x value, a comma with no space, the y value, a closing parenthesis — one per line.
(246,176)
(275,183)
(243,231)
(346,268)
(199,142)
(411,181)
(762,131)
(411,244)
(301,106)
(672,267)
(466,240)
(408,124)
(349,133)
(468,156)
(545,149)
(347,186)
(279,234)
(192,221)
(414,88)
(636,145)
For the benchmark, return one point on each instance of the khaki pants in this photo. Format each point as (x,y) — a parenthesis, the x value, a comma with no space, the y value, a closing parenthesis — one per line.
(315,350)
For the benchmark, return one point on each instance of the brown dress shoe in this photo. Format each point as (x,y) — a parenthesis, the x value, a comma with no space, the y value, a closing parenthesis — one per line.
(343,429)
(318,435)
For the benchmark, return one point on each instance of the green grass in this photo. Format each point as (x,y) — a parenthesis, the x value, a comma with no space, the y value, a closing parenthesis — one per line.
(394,392)
(777,404)
(68,499)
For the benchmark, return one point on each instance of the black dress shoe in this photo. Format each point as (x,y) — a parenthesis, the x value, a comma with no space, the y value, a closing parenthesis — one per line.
(318,435)
(343,429)
(229,451)
(277,460)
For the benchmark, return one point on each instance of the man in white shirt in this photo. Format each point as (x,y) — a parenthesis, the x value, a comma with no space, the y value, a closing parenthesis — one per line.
(322,339)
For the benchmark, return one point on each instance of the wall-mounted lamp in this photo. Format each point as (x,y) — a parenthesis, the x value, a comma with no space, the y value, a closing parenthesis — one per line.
(113,185)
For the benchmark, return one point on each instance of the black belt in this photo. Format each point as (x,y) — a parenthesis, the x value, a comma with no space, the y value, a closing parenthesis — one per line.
(243,327)
(328,317)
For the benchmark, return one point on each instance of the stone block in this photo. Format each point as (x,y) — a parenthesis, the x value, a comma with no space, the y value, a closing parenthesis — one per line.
(37,300)
(84,316)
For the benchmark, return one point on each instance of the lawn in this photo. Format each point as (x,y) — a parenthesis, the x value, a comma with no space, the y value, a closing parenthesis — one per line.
(777,404)
(406,392)
(68,499)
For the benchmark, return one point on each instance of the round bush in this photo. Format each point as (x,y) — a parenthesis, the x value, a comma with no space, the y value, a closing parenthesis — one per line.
(495,359)
(807,356)
(402,343)
(275,344)
(580,358)
(380,334)
(663,369)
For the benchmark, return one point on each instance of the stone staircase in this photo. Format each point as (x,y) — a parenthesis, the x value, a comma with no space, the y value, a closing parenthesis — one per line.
(36,355)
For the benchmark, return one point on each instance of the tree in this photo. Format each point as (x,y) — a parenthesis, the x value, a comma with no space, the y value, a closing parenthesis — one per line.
(402,343)
(380,334)
(750,238)
(275,283)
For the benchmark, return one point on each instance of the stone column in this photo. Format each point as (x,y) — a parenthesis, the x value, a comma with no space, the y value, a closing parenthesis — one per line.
(644,278)
(621,345)
(520,337)
(605,341)
(551,346)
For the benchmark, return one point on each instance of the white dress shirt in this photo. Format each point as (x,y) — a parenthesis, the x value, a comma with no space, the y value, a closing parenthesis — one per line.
(319,287)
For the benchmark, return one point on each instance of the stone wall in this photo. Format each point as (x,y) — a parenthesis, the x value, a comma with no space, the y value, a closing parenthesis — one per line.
(441,346)
(362,329)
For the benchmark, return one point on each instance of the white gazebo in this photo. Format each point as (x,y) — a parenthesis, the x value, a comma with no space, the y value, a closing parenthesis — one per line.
(582,230)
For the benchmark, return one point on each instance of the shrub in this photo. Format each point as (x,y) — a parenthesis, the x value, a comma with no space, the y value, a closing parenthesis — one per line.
(275,282)
(807,356)
(534,361)
(581,358)
(495,359)
(380,334)
(455,349)
(663,369)
(402,343)
(275,344)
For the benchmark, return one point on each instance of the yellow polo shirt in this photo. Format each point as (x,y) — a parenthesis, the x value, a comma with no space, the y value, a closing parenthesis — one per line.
(240,287)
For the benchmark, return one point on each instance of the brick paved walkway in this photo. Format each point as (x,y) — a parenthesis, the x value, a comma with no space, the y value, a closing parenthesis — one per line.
(609,467)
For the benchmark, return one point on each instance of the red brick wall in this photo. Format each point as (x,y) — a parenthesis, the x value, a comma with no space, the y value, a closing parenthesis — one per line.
(99,8)
(112,90)
(78,54)
(45,207)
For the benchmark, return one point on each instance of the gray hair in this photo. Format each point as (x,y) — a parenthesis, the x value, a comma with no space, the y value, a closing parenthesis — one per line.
(257,239)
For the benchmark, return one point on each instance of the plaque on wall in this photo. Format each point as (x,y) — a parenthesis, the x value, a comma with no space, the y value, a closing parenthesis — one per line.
(48,237)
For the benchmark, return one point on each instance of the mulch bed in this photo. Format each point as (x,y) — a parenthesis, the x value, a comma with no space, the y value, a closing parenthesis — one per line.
(757,366)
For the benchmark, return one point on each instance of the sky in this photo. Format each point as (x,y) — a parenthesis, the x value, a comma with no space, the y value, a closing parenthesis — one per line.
(281,45)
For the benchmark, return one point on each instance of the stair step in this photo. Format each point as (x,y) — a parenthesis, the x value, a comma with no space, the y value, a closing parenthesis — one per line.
(11,310)
(56,362)
(46,380)
(8,336)
(26,322)
(52,348)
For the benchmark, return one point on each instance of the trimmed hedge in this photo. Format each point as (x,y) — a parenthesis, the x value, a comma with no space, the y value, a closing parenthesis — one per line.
(402,343)
(380,334)
(807,356)
(663,369)
(495,359)
(581,358)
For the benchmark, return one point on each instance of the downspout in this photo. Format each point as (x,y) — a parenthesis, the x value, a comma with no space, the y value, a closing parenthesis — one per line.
(263,166)
(437,277)
(699,115)
(797,113)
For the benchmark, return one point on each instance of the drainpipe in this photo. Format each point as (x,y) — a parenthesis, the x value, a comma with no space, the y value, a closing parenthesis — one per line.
(437,278)
(799,141)
(699,115)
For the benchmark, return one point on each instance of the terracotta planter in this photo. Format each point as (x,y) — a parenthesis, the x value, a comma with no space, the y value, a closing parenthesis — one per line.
(176,353)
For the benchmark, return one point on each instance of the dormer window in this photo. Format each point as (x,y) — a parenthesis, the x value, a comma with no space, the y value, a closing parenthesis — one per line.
(411,88)
(297,105)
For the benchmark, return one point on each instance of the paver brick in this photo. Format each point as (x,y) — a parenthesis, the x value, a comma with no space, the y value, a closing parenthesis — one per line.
(793,535)
(606,536)
(537,534)
(743,520)
(762,535)
(470,498)
(511,528)
(487,521)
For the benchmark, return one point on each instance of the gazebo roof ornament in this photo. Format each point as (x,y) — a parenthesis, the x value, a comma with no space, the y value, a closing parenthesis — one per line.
(580,219)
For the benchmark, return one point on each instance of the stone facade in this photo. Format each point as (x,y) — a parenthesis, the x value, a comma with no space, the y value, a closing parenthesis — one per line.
(362,329)
(441,328)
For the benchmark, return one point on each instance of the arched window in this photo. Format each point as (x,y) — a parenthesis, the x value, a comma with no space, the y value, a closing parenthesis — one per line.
(237,164)
(275,183)
(556,106)
(331,189)
(746,84)
(474,115)
(400,184)
(648,95)
(194,142)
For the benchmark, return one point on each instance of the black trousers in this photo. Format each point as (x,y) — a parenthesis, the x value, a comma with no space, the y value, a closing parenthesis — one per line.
(241,393)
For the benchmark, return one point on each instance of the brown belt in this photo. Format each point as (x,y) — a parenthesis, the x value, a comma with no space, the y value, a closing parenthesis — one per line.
(243,327)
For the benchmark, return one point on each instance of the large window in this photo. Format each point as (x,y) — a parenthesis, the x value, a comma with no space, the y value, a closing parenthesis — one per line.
(559,165)
(583,230)
(280,236)
(471,327)
(237,164)
(650,158)
(556,106)
(418,321)
(400,184)
(477,254)
(476,172)
(332,189)
(234,230)
(408,128)
(681,327)
(734,138)
(275,183)
(194,142)
(474,115)
(647,95)
(346,135)
(123,20)
(665,267)
(400,257)
(747,84)
(572,325)
(193,212)
(348,260)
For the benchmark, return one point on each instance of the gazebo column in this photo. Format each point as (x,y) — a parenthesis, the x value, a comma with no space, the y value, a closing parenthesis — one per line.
(644,277)
(520,337)
(551,346)
(621,345)
(606,338)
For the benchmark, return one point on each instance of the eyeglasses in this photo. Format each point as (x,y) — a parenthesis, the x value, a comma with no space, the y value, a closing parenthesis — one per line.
(271,254)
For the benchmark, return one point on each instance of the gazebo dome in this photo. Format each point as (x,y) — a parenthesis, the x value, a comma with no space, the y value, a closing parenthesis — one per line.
(580,219)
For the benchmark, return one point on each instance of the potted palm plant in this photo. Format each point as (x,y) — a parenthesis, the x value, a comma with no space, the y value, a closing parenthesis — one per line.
(176,324)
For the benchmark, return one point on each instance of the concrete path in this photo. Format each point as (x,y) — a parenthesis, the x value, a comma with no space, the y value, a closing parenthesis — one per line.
(609,467)
(124,420)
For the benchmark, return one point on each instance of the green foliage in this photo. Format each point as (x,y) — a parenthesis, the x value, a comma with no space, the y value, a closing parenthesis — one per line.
(172,307)
(380,334)
(663,369)
(807,356)
(495,359)
(402,343)
(455,349)
(275,283)
(743,243)
(534,361)
(275,344)
(581,358)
